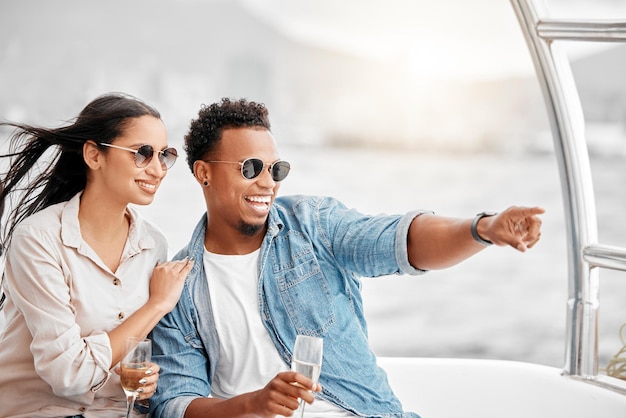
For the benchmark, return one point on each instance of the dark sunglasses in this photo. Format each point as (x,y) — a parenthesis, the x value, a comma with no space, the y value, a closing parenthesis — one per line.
(144,154)
(251,168)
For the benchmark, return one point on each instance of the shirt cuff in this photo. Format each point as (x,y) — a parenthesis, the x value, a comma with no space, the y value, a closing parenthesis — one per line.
(177,406)
(100,348)
(402,249)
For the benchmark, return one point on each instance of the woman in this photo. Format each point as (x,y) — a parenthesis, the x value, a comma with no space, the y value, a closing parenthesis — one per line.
(80,275)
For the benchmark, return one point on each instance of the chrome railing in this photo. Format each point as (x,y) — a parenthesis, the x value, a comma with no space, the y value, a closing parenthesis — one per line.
(585,254)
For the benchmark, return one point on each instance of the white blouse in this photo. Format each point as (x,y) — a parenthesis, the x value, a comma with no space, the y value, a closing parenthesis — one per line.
(61,302)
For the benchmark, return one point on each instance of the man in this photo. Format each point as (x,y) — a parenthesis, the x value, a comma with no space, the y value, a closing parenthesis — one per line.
(269,268)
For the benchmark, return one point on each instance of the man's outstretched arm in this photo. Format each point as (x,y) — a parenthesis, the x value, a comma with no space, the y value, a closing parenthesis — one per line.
(436,242)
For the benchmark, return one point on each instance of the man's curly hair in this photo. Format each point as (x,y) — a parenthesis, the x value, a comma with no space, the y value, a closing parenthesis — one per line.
(205,132)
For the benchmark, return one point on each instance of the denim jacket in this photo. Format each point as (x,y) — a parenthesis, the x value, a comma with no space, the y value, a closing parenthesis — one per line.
(310,263)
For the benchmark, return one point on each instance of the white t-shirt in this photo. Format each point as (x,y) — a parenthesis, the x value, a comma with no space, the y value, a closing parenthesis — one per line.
(248,357)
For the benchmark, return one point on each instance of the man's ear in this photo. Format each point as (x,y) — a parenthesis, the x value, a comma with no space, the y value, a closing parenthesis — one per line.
(202,172)
(92,154)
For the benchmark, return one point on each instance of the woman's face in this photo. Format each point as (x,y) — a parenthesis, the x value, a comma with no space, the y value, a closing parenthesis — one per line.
(120,177)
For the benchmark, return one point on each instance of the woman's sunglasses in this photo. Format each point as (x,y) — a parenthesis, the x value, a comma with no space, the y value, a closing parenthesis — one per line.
(144,154)
(251,168)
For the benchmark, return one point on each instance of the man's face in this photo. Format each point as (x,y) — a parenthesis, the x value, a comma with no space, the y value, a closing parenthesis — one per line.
(237,204)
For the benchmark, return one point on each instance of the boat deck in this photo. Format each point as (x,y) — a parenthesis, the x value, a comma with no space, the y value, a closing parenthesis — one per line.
(442,388)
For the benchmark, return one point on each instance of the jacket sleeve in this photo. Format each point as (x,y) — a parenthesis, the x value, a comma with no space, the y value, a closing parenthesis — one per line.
(178,350)
(368,245)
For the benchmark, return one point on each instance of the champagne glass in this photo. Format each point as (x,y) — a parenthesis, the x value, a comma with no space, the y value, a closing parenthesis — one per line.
(307,360)
(134,365)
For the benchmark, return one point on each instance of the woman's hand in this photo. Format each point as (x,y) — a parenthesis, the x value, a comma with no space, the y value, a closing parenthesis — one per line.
(167,281)
(148,384)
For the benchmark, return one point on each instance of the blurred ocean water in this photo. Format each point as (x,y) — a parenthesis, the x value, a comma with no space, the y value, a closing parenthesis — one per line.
(501,303)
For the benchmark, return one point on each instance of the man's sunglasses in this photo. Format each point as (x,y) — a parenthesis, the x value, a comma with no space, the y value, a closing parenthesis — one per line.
(144,154)
(251,168)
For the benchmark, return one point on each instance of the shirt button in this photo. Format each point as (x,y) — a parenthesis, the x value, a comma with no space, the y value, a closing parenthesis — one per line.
(116,282)
(120,315)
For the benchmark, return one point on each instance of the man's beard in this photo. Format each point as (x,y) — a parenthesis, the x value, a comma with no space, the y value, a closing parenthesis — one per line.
(250,230)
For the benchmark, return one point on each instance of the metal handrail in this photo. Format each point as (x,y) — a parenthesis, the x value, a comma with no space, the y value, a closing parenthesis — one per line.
(567,122)
(590,30)
(605,256)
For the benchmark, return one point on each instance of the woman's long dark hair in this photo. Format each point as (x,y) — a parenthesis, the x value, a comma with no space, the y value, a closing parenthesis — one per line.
(47,165)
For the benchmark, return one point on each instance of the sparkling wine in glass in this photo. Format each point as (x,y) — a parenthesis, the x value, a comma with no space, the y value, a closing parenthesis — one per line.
(133,368)
(307,360)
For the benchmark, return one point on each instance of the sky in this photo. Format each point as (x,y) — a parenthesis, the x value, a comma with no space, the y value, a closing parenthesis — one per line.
(454,38)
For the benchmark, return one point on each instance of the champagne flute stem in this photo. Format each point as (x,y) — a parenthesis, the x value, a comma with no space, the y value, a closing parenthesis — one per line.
(301,409)
(130,404)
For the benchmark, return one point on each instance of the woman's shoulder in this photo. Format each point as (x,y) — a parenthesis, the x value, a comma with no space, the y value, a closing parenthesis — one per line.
(42,229)
(48,218)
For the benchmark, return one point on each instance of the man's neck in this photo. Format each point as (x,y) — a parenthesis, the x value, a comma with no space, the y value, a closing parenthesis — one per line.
(232,244)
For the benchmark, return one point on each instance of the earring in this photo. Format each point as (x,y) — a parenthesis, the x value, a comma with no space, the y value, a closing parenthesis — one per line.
(206,183)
